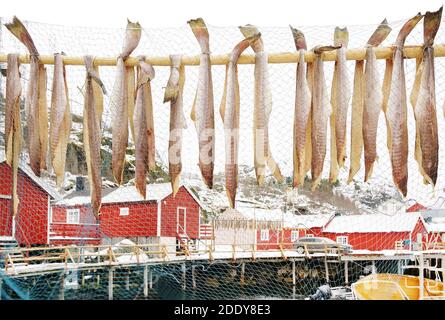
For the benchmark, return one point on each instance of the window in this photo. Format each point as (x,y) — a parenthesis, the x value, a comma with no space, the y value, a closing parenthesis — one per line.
(309,235)
(294,235)
(264,235)
(124,211)
(342,240)
(73,216)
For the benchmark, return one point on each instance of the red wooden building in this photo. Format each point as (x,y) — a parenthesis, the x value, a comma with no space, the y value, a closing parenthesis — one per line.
(30,226)
(376,232)
(125,214)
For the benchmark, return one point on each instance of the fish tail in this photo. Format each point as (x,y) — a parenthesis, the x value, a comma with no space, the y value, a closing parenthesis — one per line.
(299,39)
(249,31)
(369,165)
(341,37)
(380,34)
(273,166)
(406,29)
(201,33)
(17,28)
(431,25)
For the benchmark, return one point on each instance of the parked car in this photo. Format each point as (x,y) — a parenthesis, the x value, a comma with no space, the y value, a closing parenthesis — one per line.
(314,244)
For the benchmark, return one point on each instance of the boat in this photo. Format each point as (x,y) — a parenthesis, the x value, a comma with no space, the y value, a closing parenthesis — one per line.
(388,286)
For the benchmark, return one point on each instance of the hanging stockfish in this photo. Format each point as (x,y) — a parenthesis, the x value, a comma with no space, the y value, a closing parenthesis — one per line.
(91,133)
(144,126)
(173,93)
(35,101)
(122,101)
(229,111)
(60,120)
(321,110)
(302,111)
(13,129)
(372,99)
(423,100)
(262,110)
(396,113)
(203,109)
(340,95)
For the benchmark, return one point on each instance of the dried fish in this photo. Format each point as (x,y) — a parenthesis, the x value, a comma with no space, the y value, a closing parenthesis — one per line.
(396,113)
(203,108)
(60,119)
(143,126)
(173,93)
(340,95)
(372,99)
(301,113)
(91,134)
(35,101)
(262,110)
(321,110)
(229,111)
(13,129)
(121,102)
(423,100)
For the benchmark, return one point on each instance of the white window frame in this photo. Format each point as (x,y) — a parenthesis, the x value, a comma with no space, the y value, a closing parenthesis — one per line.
(264,235)
(342,239)
(185,220)
(69,213)
(294,235)
(124,211)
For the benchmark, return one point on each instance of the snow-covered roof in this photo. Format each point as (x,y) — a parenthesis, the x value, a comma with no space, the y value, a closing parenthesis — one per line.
(38,180)
(155,192)
(399,222)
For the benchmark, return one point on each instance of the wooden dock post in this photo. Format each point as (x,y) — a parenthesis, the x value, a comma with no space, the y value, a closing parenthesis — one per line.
(346,272)
(294,280)
(374,269)
(193,277)
(243,270)
(145,281)
(326,267)
(110,284)
(127,281)
(184,279)
(1,287)
(443,275)
(61,287)
(421,276)
(150,278)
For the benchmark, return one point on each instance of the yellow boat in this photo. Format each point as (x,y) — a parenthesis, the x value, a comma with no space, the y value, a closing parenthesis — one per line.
(396,287)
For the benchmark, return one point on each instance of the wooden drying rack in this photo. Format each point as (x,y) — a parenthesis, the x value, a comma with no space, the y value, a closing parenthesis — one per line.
(285,57)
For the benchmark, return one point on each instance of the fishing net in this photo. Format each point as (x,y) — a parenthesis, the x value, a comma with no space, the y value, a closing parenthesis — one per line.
(189,246)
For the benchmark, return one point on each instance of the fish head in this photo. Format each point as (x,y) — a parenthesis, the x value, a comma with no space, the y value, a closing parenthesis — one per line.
(380,34)
(299,39)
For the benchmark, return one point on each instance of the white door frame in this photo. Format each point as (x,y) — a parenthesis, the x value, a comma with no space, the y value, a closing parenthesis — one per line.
(184,227)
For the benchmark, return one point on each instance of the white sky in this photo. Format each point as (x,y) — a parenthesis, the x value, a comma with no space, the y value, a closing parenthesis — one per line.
(173,13)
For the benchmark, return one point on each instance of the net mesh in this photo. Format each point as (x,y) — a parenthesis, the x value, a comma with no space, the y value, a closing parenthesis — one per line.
(190,246)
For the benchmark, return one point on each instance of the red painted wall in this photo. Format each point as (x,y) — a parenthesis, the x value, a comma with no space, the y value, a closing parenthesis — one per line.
(376,241)
(32,216)
(140,222)
(169,208)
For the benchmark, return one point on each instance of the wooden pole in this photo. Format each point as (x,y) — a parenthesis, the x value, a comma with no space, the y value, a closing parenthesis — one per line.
(421,277)
(346,272)
(61,287)
(110,284)
(150,278)
(146,281)
(1,287)
(326,267)
(184,279)
(443,275)
(410,52)
(193,277)
(294,280)
(243,270)
(127,281)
